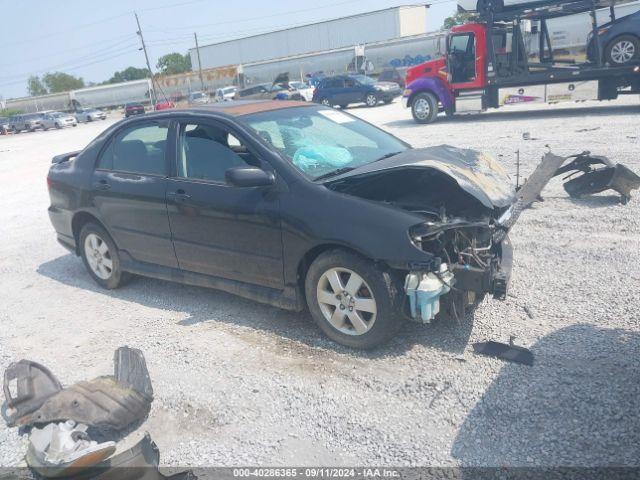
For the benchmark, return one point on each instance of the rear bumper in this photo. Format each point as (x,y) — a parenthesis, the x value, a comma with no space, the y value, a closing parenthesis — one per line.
(61,221)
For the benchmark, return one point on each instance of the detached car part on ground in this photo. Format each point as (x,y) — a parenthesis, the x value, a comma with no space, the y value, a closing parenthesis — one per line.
(63,421)
(288,215)
(34,395)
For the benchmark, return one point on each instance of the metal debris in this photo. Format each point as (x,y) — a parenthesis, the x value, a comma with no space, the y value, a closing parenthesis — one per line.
(510,352)
(595,180)
(110,401)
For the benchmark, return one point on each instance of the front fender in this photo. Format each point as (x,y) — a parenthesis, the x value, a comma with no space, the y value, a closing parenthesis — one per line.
(433,85)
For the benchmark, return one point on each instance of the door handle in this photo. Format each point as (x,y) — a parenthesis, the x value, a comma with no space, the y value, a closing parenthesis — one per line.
(101,185)
(179,195)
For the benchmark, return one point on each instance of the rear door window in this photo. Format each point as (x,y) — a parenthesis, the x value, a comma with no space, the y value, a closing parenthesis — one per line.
(139,149)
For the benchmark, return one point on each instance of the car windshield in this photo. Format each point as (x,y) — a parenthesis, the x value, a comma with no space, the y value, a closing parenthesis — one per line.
(197,95)
(298,85)
(57,114)
(363,79)
(228,90)
(321,142)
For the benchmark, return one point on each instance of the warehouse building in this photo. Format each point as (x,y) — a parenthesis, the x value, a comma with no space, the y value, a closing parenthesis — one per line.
(371,27)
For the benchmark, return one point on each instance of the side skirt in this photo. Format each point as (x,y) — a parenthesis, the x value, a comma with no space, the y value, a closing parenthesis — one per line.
(288,299)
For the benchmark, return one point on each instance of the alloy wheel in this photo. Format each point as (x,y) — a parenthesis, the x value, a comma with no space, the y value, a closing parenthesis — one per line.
(325,102)
(98,256)
(623,51)
(371,100)
(421,108)
(346,301)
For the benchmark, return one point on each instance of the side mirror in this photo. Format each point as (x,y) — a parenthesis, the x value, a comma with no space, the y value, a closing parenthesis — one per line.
(249,177)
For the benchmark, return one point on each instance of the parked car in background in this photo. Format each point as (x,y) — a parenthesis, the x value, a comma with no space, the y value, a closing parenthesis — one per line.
(90,115)
(4,125)
(198,98)
(58,120)
(133,108)
(343,90)
(29,122)
(225,94)
(619,40)
(268,91)
(395,75)
(304,89)
(292,204)
(165,105)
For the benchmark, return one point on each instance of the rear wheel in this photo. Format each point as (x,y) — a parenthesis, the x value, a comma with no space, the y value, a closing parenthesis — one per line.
(371,100)
(354,302)
(325,102)
(424,108)
(100,256)
(623,50)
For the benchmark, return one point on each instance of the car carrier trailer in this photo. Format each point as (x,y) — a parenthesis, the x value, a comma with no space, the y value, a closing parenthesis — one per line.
(486,65)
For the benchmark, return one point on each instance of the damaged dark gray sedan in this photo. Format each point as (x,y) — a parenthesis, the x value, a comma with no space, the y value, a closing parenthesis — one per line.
(295,205)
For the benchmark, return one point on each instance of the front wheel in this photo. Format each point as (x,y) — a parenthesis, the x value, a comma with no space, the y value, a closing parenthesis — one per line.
(424,108)
(354,302)
(100,256)
(325,102)
(371,100)
(623,50)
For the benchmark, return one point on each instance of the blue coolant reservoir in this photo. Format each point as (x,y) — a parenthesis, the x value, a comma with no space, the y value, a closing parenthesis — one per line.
(424,292)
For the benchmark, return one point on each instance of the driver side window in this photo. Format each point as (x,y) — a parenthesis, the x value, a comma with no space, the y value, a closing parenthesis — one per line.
(206,152)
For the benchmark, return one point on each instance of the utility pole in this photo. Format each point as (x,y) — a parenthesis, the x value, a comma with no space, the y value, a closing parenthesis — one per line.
(146,56)
(199,62)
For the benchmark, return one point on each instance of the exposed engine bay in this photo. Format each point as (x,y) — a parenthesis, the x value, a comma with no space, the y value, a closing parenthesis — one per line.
(468,205)
(458,231)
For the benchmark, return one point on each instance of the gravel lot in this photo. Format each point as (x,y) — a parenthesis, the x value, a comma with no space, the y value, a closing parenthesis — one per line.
(240,383)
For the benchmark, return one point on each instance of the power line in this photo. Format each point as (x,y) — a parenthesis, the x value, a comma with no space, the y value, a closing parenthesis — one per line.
(77,66)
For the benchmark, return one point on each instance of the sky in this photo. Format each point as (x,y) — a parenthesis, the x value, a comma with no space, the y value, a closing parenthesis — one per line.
(93,39)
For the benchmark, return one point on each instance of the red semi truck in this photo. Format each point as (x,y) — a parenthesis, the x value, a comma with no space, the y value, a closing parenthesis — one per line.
(487,65)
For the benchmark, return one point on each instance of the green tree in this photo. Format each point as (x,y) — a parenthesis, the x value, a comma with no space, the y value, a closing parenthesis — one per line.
(35,86)
(129,74)
(173,63)
(61,82)
(459,18)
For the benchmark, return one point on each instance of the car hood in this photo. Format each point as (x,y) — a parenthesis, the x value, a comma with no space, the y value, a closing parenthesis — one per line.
(387,84)
(476,173)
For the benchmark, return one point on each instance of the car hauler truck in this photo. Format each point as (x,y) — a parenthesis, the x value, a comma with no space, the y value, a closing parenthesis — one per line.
(486,64)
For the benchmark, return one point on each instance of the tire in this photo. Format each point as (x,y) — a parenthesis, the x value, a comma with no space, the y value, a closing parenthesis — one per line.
(379,294)
(325,102)
(424,107)
(89,119)
(58,126)
(344,107)
(371,100)
(108,278)
(622,50)
(44,128)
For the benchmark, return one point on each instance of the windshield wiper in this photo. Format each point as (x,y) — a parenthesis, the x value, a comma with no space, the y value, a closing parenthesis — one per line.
(388,155)
(334,173)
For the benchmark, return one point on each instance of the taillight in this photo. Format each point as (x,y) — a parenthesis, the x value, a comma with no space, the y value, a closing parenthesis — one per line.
(49,182)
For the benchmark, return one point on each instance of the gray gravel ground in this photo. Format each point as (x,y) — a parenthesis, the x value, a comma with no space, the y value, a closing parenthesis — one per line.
(241,383)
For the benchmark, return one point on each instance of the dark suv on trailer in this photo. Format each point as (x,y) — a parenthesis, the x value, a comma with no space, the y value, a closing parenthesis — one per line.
(291,204)
(344,90)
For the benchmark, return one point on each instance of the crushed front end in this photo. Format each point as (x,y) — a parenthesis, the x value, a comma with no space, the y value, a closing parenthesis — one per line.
(471,259)
(461,201)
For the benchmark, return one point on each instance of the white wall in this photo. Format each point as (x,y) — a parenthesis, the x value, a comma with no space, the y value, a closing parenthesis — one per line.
(343,32)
